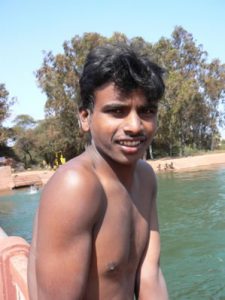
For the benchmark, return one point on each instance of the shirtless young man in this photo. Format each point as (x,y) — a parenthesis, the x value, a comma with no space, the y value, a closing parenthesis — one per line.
(96,234)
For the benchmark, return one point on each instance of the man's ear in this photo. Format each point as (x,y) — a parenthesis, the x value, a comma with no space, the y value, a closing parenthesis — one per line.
(84,119)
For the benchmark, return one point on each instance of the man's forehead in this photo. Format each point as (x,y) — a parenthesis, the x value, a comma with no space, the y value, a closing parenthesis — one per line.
(112,93)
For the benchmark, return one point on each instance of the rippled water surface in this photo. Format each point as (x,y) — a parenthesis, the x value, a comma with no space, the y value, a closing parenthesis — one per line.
(17,209)
(192,224)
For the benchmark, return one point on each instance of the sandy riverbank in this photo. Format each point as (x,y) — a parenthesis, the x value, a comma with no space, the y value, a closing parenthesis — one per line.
(179,164)
(188,163)
(184,164)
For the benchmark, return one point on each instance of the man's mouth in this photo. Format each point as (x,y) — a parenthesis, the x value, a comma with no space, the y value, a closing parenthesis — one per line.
(130,143)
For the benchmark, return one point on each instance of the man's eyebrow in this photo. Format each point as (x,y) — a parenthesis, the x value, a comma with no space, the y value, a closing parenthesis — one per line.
(114,105)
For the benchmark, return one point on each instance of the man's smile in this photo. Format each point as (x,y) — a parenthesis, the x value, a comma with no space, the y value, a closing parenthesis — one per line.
(130,143)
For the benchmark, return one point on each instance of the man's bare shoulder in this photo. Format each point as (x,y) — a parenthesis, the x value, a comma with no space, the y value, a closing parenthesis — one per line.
(146,172)
(74,187)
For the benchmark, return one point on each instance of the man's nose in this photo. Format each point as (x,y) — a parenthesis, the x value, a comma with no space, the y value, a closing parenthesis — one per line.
(133,124)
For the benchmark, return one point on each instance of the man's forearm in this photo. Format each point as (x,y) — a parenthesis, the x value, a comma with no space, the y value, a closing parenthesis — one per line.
(153,288)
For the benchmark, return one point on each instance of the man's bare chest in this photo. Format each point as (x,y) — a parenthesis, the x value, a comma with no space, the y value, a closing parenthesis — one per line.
(122,233)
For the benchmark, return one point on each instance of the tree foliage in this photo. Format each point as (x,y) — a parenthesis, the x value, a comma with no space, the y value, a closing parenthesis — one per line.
(5,104)
(25,139)
(195,88)
(189,113)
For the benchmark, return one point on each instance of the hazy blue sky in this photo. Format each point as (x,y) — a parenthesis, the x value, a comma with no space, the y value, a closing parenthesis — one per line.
(28,27)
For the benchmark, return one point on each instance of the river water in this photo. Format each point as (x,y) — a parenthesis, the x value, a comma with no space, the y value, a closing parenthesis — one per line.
(192,224)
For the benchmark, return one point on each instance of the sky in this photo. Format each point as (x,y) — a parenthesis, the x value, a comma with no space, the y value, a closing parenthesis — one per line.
(28,28)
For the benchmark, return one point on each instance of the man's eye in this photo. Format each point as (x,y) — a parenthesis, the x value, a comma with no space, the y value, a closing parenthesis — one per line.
(117,112)
(148,111)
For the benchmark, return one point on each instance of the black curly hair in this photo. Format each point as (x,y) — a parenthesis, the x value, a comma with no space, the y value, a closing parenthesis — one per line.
(123,66)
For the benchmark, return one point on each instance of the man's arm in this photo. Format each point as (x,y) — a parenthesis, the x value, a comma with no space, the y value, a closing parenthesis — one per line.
(67,214)
(150,281)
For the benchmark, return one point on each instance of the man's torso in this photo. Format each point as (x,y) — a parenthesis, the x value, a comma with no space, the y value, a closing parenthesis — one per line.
(120,237)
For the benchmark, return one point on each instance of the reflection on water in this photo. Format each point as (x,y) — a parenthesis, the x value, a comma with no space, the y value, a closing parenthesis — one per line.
(6,207)
(192,224)
(33,189)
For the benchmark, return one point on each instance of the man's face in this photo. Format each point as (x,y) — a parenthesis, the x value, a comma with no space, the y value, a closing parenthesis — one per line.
(121,126)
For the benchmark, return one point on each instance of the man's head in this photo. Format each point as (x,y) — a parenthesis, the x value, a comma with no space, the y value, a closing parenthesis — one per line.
(120,90)
(123,66)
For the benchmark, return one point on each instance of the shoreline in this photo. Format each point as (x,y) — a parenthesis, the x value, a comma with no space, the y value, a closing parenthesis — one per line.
(162,165)
(189,163)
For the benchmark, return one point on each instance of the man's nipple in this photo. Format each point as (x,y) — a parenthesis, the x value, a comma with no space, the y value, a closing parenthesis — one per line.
(111,267)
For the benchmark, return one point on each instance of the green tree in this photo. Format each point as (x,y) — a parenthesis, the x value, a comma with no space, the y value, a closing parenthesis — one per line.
(213,89)
(25,139)
(47,140)
(5,104)
(190,109)
(189,113)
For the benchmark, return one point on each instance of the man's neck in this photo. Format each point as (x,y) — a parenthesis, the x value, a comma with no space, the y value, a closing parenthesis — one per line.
(125,173)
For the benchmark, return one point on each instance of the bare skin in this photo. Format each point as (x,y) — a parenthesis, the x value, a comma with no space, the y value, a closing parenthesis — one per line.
(96,232)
